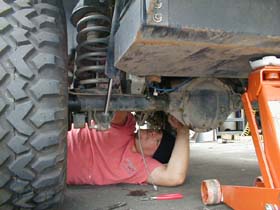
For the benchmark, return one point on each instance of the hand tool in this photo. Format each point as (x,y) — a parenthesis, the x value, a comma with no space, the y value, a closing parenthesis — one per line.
(170,196)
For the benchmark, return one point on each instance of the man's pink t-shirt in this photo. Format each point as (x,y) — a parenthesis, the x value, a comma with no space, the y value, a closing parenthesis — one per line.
(106,157)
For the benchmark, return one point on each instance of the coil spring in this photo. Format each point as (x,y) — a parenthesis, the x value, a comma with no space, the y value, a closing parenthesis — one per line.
(92,38)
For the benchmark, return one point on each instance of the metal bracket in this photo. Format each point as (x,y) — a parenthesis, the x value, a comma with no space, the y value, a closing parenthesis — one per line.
(158,12)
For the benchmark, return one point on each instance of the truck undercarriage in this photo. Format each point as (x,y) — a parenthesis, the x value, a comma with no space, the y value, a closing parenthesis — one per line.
(166,51)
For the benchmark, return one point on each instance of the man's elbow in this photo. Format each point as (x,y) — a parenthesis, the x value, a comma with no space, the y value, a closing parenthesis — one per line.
(180,180)
(164,177)
(177,180)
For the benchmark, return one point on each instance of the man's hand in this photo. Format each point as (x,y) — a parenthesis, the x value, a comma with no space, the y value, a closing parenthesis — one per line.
(119,118)
(175,123)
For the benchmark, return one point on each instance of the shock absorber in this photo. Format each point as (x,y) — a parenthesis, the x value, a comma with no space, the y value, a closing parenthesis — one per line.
(93,26)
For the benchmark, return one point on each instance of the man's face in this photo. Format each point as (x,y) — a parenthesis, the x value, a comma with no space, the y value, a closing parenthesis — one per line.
(150,141)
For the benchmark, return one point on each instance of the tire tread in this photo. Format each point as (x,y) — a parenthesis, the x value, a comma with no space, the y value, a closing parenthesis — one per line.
(33,104)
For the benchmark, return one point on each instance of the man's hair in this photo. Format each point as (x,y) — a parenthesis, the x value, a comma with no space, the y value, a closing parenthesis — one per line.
(165,148)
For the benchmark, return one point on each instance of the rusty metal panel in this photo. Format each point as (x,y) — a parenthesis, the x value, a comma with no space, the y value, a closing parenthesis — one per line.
(239,16)
(201,38)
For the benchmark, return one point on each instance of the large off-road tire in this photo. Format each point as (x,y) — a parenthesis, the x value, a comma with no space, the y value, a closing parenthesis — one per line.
(33,104)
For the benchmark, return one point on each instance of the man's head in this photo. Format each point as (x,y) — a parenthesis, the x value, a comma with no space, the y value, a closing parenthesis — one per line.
(156,142)
(150,140)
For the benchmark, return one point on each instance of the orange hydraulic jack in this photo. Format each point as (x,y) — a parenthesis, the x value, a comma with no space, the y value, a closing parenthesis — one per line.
(264,88)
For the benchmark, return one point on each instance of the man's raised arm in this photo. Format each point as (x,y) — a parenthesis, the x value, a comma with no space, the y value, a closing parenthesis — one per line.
(175,172)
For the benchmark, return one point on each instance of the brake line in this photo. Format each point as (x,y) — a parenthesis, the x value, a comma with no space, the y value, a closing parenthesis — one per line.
(148,172)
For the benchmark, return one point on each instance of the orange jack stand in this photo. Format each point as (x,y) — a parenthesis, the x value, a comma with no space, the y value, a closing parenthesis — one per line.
(264,88)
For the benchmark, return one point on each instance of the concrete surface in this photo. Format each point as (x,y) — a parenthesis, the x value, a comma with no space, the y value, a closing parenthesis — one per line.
(230,163)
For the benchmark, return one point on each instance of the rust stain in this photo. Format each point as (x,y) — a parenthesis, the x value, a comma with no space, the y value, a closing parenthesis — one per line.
(194,52)
(202,37)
